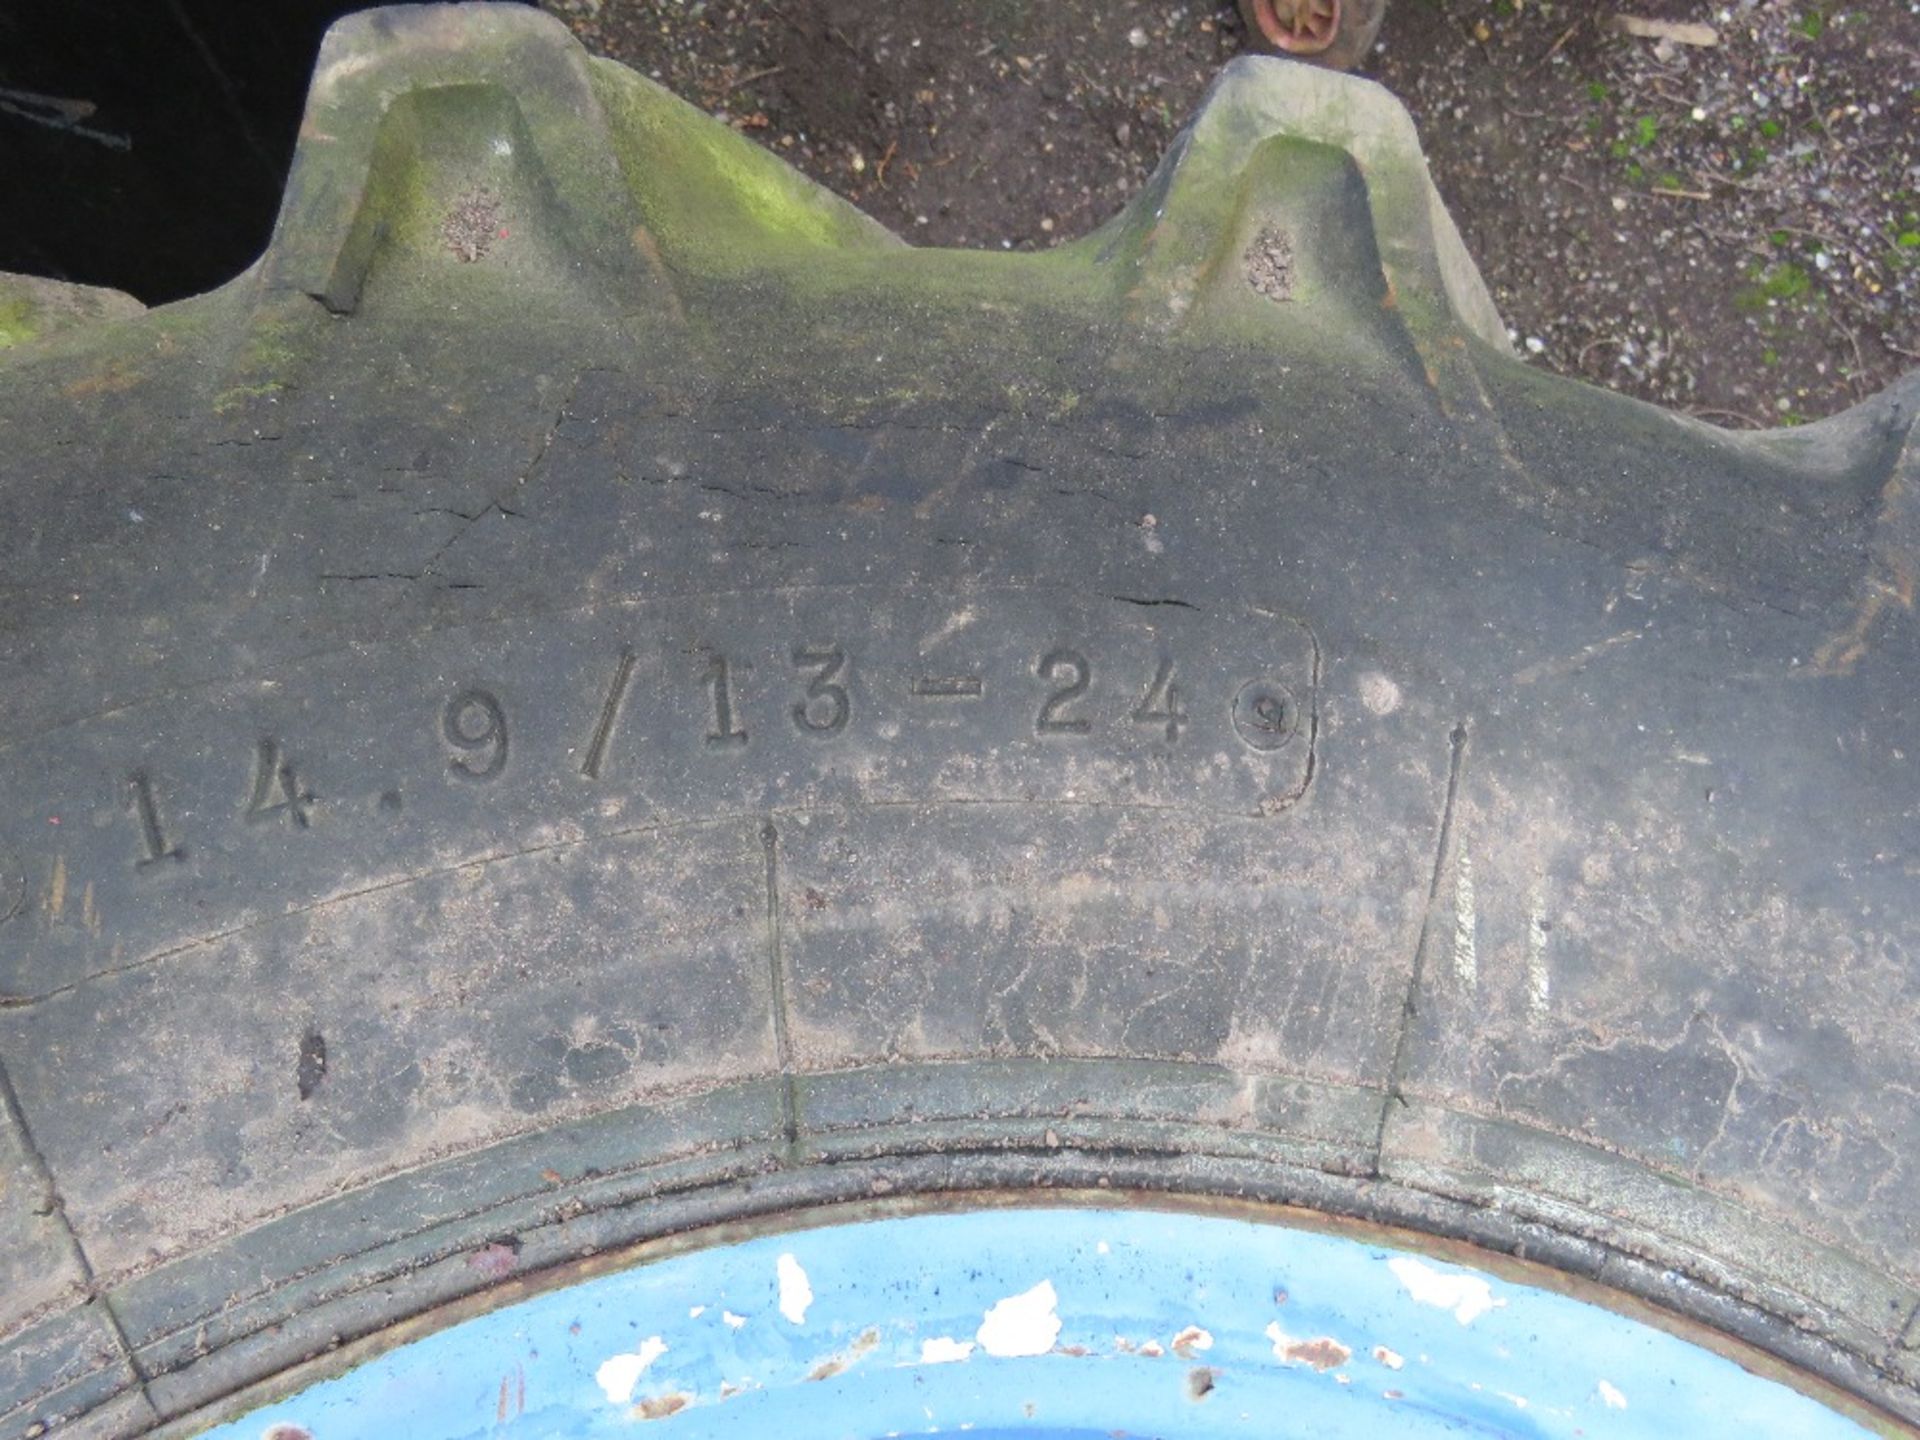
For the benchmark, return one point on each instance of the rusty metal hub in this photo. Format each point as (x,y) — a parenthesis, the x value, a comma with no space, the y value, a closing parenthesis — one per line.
(1299,27)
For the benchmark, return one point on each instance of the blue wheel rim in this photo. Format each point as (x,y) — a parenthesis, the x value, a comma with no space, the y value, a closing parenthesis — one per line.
(1080,1322)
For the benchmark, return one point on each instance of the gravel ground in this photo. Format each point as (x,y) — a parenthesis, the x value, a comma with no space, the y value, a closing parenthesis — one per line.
(1732,229)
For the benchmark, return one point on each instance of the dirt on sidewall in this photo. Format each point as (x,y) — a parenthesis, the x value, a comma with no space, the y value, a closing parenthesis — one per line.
(1728,228)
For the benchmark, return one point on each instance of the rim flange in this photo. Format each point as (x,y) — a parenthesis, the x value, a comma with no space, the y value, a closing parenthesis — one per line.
(792,1229)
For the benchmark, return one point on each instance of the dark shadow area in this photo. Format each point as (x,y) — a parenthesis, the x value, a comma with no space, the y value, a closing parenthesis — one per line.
(144,143)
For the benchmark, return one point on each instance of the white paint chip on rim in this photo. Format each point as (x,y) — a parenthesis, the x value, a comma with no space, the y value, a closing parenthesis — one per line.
(618,1374)
(1611,1397)
(1192,1338)
(1467,1296)
(1024,1324)
(944,1350)
(734,1322)
(796,1294)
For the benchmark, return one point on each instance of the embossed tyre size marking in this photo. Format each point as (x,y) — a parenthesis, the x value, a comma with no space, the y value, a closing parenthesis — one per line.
(670,723)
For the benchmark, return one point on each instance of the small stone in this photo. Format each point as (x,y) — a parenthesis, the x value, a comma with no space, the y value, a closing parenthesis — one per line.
(472,225)
(1535,345)
(1137,38)
(1269,265)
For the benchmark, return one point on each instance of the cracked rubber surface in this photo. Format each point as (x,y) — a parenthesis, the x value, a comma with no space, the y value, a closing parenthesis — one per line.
(508,756)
